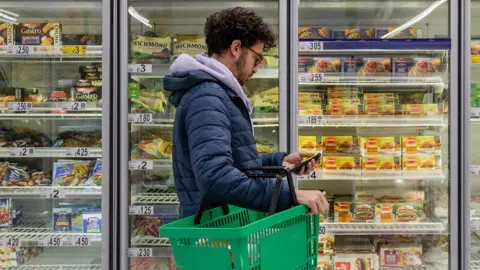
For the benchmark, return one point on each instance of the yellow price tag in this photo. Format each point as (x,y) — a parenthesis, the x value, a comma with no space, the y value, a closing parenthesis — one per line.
(75,50)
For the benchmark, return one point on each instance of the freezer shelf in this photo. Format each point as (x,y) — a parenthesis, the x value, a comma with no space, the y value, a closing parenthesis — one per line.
(46,237)
(373,176)
(315,79)
(149,241)
(52,152)
(475,262)
(166,120)
(51,192)
(70,53)
(384,229)
(370,121)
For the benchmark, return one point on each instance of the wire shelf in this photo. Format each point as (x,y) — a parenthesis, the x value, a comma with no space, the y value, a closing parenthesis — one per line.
(391,228)
(140,240)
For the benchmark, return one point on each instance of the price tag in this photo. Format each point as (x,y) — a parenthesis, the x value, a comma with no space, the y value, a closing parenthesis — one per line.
(474,169)
(53,193)
(21,50)
(81,241)
(21,151)
(19,106)
(10,242)
(53,241)
(140,165)
(311,77)
(310,119)
(74,50)
(140,117)
(78,152)
(140,252)
(74,106)
(323,230)
(143,210)
(310,46)
(140,68)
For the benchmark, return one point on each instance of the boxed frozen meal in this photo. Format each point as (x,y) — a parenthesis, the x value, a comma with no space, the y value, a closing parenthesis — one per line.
(421,162)
(344,109)
(422,109)
(381,109)
(325,243)
(304,63)
(86,90)
(401,255)
(6,218)
(379,98)
(62,219)
(373,146)
(325,65)
(81,39)
(381,164)
(343,163)
(402,66)
(351,66)
(368,261)
(92,222)
(342,210)
(424,66)
(408,212)
(90,69)
(363,211)
(70,173)
(353,33)
(189,44)
(313,33)
(339,93)
(310,109)
(308,143)
(406,33)
(340,144)
(375,67)
(77,212)
(324,262)
(421,145)
(341,101)
(43,34)
(150,49)
(7,33)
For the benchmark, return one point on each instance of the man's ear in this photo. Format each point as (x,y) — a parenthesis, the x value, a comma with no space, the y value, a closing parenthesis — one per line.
(236,49)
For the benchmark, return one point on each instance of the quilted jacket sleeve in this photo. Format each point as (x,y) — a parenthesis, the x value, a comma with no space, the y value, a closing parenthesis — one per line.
(275,159)
(209,137)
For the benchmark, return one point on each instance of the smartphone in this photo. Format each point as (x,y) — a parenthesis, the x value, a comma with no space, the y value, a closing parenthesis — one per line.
(304,163)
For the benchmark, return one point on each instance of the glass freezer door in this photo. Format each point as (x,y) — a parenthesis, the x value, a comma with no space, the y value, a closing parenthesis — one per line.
(148,187)
(373,97)
(51,134)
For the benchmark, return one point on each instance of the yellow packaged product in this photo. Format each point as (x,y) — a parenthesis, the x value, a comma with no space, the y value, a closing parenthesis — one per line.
(421,145)
(372,146)
(189,44)
(421,162)
(339,144)
(342,212)
(335,163)
(381,163)
(422,109)
(343,109)
(334,101)
(310,109)
(325,244)
(384,212)
(307,143)
(380,109)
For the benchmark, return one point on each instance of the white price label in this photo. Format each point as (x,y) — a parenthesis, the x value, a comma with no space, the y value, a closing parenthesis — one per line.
(10,242)
(21,151)
(311,77)
(141,210)
(323,230)
(78,152)
(140,165)
(74,106)
(19,106)
(315,175)
(310,46)
(140,68)
(81,241)
(474,169)
(53,193)
(310,119)
(53,241)
(140,252)
(22,50)
(140,117)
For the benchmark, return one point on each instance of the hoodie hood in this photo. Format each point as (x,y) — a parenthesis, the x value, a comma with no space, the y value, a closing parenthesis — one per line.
(187,72)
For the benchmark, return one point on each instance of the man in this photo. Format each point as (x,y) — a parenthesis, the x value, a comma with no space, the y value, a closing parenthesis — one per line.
(213,133)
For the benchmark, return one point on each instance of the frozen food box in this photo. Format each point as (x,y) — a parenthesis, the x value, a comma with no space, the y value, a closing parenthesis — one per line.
(189,44)
(150,49)
(340,144)
(352,261)
(324,262)
(402,65)
(77,215)
(421,145)
(379,98)
(381,109)
(6,218)
(422,109)
(70,173)
(62,219)
(92,222)
(307,143)
(81,39)
(402,255)
(424,66)
(344,109)
(347,101)
(375,67)
(346,92)
(90,69)
(373,146)
(344,163)
(325,243)
(313,33)
(310,109)
(406,33)
(325,65)
(304,63)
(342,211)
(351,66)
(421,162)
(7,34)
(381,164)
(363,211)
(408,212)
(43,34)
(384,212)
(353,33)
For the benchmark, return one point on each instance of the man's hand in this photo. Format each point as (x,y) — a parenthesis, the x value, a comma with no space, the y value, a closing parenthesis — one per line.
(296,158)
(313,199)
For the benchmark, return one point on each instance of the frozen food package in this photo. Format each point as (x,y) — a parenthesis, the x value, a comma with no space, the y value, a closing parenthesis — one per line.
(313,33)
(307,143)
(17,176)
(70,173)
(424,66)
(411,32)
(149,101)
(95,177)
(150,49)
(310,109)
(342,210)
(305,63)
(78,139)
(408,212)
(381,164)
(92,222)
(402,65)
(411,97)
(11,94)
(189,44)
(475,51)
(85,90)
(7,33)
(3,171)
(380,146)
(344,163)
(325,65)
(422,109)
(43,34)
(341,101)
(359,33)
(90,69)
(380,98)
(78,211)
(325,243)
(62,219)
(340,144)
(368,261)
(401,255)
(344,109)
(324,262)
(153,147)
(363,211)
(381,109)
(351,66)
(422,145)
(375,67)
(421,162)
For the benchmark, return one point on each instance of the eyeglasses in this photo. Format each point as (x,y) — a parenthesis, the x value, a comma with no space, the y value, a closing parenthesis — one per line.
(259,56)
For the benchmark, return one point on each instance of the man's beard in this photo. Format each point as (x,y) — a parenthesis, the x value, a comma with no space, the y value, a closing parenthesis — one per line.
(241,75)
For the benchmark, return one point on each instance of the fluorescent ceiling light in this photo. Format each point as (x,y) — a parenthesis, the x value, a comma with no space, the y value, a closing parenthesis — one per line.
(139,17)
(416,19)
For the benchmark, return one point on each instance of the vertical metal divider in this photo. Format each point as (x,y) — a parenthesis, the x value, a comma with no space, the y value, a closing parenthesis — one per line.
(454,135)
(108,204)
(123,179)
(283,77)
(465,231)
(293,82)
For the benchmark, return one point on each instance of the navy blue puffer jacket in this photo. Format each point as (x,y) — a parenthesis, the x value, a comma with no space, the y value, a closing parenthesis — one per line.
(212,140)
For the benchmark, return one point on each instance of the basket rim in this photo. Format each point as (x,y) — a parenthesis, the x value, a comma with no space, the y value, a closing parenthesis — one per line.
(172,230)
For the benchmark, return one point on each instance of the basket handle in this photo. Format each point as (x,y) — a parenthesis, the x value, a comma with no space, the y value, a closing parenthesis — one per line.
(261,172)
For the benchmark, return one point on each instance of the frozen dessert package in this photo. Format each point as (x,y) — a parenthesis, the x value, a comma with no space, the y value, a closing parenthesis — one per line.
(189,44)
(340,144)
(422,145)
(151,49)
(43,34)
(313,33)
(403,255)
(7,33)
(373,146)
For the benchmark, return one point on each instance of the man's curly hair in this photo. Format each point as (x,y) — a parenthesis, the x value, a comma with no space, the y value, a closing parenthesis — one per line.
(223,27)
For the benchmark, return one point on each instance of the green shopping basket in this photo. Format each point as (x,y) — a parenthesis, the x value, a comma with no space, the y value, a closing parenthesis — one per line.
(230,237)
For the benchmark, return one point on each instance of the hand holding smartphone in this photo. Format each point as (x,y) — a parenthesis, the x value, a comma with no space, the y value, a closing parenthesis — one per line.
(304,163)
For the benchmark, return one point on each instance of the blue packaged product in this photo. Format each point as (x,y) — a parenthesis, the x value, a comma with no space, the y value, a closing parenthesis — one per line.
(95,177)
(92,222)
(77,215)
(62,219)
